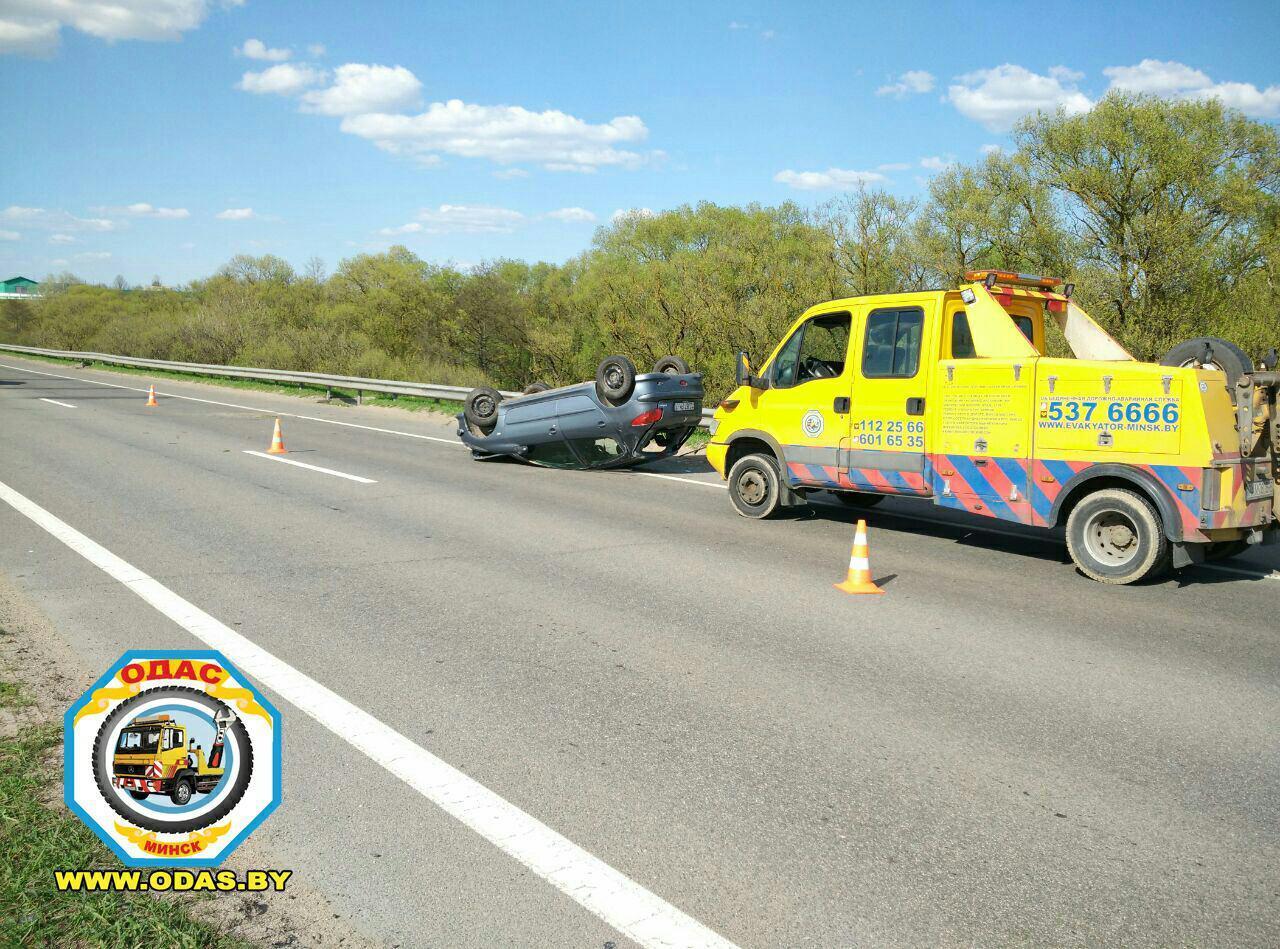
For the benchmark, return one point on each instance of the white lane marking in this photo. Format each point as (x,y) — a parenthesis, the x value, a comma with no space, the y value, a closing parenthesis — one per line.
(248,408)
(1239,571)
(615,898)
(667,477)
(65,405)
(303,464)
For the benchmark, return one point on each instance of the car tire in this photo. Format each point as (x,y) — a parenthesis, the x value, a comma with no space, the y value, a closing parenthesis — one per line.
(755,486)
(858,498)
(1115,536)
(615,379)
(1221,354)
(481,409)
(671,366)
(533,388)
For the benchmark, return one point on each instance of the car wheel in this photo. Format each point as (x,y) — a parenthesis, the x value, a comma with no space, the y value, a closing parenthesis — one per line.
(755,486)
(671,366)
(533,388)
(481,409)
(1115,536)
(1209,352)
(615,379)
(858,498)
(183,788)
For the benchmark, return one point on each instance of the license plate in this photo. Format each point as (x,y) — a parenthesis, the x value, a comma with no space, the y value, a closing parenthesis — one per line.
(684,406)
(1257,490)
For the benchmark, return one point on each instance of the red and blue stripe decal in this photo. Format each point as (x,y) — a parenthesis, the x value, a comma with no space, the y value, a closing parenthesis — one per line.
(875,480)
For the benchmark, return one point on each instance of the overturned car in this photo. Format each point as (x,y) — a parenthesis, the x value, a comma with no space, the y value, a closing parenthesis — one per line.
(619,419)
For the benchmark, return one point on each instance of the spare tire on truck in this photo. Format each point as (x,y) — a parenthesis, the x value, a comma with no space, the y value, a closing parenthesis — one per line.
(615,379)
(1209,352)
(672,366)
(481,409)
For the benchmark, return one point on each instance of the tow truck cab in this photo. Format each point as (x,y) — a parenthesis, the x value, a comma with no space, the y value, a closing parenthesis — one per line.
(154,756)
(949,396)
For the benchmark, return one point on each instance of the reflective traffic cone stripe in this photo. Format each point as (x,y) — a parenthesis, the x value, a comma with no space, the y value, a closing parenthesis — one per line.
(151,396)
(859,578)
(277,442)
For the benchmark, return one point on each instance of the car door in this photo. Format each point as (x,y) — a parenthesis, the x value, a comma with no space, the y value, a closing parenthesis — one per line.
(806,404)
(886,446)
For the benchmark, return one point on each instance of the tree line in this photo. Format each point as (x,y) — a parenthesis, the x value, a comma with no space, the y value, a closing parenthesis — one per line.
(1165,215)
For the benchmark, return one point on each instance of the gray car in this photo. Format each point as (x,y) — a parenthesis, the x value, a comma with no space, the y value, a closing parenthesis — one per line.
(620,419)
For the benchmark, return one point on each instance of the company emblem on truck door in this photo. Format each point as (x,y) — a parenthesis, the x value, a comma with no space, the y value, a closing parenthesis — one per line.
(812,423)
(172,758)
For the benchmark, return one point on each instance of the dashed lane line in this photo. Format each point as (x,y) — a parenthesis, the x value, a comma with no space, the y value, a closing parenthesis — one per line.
(65,405)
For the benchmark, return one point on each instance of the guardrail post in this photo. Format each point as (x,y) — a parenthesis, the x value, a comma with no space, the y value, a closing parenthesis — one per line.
(328,394)
(359,397)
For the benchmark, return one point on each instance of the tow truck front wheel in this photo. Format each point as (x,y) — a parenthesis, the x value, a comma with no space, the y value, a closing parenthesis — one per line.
(755,486)
(183,788)
(1115,536)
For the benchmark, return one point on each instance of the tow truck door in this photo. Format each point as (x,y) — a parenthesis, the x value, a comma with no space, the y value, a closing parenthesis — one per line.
(806,404)
(885,450)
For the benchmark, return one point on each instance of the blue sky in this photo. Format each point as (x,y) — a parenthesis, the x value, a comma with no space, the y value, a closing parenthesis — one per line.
(151,137)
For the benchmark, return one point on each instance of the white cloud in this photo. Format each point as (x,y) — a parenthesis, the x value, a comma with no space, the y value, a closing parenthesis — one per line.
(999,97)
(286,79)
(142,209)
(990,149)
(256,49)
(94,255)
(573,215)
(460,219)
(504,134)
(53,220)
(831,178)
(735,25)
(10,236)
(316,50)
(1176,80)
(32,26)
(235,214)
(937,162)
(506,174)
(59,262)
(623,214)
(358,88)
(914,81)
(28,36)
(61,239)
(893,166)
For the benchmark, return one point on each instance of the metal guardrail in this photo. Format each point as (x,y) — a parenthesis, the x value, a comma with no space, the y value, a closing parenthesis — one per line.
(424,390)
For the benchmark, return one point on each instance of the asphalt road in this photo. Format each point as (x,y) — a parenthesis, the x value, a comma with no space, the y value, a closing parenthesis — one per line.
(997,751)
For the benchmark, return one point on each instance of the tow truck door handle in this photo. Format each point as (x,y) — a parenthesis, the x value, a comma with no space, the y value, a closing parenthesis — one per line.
(841,405)
(915,405)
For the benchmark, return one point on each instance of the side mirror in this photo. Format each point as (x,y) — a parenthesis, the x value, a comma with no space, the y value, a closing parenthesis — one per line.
(742,369)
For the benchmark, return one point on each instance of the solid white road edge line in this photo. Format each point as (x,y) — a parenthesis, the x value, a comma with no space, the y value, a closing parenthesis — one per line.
(247,408)
(303,464)
(65,405)
(613,897)
(1223,568)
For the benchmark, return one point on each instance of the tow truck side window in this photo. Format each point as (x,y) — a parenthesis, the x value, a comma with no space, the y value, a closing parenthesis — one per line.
(816,350)
(891,349)
(962,340)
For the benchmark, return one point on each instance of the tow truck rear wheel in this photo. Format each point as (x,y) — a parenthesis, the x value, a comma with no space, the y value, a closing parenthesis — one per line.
(1115,536)
(755,486)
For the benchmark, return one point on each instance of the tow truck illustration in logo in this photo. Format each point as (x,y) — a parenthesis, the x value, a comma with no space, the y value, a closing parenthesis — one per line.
(172,758)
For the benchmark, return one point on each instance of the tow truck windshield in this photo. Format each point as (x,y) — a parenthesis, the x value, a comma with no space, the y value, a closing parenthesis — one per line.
(138,740)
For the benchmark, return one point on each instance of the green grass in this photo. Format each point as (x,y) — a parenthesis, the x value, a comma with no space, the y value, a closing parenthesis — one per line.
(12,695)
(36,839)
(412,403)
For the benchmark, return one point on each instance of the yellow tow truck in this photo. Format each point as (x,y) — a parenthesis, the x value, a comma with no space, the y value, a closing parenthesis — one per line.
(949,396)
(154,756)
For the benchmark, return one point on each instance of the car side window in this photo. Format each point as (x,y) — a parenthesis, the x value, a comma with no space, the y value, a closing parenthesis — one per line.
(891,347)
(554,455)
(816,350)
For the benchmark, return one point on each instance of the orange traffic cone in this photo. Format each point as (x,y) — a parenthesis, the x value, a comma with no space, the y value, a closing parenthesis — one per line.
(859,578)
(277,442)
(151,397)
